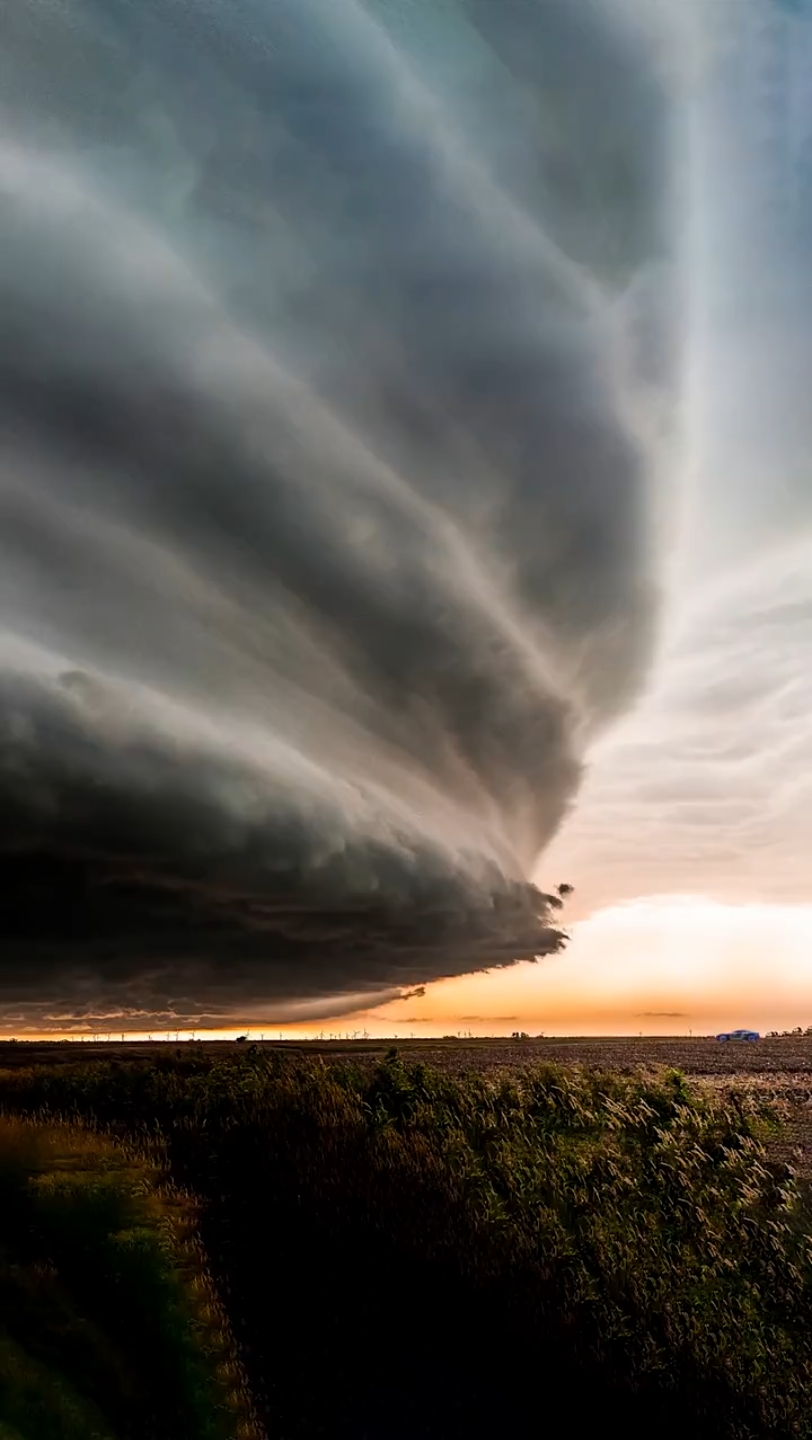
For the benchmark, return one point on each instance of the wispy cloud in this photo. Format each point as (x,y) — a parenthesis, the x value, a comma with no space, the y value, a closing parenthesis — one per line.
(660,1015)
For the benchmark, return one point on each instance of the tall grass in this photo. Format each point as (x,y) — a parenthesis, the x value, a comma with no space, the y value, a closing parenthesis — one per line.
(108,1322)
(406,1253)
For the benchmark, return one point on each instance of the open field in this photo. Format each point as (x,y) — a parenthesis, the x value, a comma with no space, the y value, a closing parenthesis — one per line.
(787,1058)
(573,1215)
(778,1070)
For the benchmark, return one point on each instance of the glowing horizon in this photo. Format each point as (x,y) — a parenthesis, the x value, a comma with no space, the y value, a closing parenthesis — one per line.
(668,965)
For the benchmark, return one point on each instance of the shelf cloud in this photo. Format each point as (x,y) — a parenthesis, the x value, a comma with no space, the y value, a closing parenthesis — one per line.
(325,532)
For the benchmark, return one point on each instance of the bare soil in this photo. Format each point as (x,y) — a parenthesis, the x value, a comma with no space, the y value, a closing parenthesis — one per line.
(786,1060)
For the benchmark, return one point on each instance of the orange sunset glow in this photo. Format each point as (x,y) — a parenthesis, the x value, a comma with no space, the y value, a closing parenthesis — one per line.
(660,966)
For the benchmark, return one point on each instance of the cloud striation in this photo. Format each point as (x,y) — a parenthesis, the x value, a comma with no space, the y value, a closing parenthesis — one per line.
(324,512)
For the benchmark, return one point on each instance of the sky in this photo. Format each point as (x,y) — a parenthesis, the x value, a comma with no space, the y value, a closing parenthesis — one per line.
(405,508)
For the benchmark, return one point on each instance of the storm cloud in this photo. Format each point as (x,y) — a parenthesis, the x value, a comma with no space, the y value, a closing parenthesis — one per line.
(325,508)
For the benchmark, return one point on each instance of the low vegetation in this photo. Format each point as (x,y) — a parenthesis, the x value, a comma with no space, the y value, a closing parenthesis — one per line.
(109,1325)
(410,1253)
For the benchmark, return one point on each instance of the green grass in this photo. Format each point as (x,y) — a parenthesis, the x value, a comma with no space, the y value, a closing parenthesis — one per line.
(109,1326)
(616,1245)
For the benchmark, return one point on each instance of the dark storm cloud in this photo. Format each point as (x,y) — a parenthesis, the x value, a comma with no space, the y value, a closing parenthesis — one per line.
(323,526)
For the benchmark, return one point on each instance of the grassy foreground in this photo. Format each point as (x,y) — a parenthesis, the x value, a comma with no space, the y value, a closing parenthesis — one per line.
(405,1253)
(109,1326)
